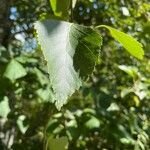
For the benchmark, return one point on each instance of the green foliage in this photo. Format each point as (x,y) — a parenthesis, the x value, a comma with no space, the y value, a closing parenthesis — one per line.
(60,8)
(78,47)
(111,109)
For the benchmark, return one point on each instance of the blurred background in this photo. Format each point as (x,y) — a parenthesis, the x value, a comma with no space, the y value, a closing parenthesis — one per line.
(111,111)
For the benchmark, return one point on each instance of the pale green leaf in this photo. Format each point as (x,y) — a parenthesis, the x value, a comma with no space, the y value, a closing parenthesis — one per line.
(21,125)
(113,107)
(128,42)
(70,50)
(45,94)
(89,110)
(25,59)
(92,123)
(126,91)
(127,141)
(130,70)
(41,76)
(91,1)
(4,107)
(14,70)
(74,3)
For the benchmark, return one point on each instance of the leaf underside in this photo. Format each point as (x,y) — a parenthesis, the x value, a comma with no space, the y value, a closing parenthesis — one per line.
(71,52)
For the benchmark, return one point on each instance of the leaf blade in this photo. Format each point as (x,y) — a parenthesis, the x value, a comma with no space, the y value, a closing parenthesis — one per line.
(14,70)
(128,42)
(59,41)
(64,79)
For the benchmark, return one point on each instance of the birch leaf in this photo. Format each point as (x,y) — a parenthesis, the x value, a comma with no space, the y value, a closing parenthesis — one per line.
(71,52)
(128,42)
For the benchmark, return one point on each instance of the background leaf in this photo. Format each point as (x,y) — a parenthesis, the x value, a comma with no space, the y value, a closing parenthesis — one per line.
(14,70)
(57,144)
(92,123)
(128,42)
(131,71)
(4,107)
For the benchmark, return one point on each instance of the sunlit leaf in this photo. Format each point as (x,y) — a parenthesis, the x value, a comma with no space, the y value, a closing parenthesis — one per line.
(131,71)
(14,70)
(71,52)
(20,124)
(45,94)
(128,42)
(4,107)
(113,107)
(92,123)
